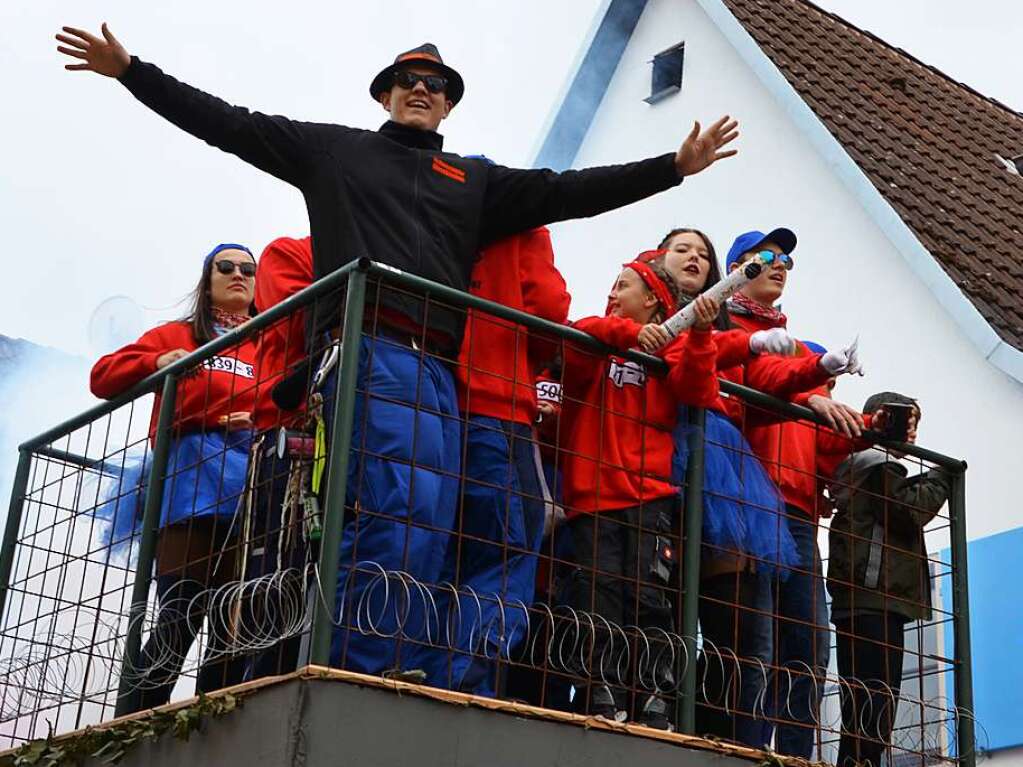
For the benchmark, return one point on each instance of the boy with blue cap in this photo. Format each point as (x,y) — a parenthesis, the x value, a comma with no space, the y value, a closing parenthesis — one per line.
(789,451)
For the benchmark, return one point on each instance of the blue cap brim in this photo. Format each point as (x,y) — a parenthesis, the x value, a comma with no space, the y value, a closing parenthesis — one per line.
(783,238)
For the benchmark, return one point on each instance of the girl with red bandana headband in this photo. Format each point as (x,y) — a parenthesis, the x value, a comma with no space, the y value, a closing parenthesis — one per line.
(206,469)
(622,508)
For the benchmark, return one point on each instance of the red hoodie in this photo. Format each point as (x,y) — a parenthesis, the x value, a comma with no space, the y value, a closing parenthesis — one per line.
(617,421)
(791,450)
(782,377)
(285,267)
(224,384)
(494,374)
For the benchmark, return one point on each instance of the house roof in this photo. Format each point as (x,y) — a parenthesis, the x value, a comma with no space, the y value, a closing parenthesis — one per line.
(928,144)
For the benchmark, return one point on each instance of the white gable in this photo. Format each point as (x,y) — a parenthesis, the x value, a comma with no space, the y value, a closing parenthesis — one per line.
(849,278)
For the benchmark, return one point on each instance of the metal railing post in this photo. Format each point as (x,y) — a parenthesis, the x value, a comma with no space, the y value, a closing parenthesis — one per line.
(685,713)
(13,525)
(128,692)
(337,468)
(966,739)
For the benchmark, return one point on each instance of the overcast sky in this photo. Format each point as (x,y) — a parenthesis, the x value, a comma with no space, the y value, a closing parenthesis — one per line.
(98,197)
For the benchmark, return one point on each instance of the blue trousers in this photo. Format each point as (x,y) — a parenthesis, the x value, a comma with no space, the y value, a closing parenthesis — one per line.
(400,507)
(494,554)
(205,478)
(802,640)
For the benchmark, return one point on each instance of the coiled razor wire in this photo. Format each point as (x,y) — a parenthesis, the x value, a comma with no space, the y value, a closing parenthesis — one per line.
(249,616)
(58,667)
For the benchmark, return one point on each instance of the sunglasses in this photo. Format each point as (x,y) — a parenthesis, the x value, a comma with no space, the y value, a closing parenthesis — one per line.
(434,83)
(226,266)
(768,257)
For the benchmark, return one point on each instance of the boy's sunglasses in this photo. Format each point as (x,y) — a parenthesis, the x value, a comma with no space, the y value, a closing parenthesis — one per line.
(434,83)
(226,266)
(768,256)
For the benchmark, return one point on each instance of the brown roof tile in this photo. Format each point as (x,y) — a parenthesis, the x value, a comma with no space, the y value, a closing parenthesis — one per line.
(926,142)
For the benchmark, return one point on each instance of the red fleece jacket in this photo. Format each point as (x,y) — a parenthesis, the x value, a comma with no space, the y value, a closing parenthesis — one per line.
(285,267)
(494,374)
(225,384)
(617,420)
(792,451)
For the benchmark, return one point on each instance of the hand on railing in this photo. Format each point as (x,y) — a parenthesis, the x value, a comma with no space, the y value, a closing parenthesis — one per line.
(652,337)
(238,421)
(105,56)
(841,418)
(170,358)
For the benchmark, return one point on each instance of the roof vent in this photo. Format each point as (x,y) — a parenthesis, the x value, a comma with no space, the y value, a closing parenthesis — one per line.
(898,82)
(666,77)
(1014,164)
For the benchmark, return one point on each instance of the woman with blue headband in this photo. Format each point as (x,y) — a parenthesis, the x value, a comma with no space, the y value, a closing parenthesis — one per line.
(206,471)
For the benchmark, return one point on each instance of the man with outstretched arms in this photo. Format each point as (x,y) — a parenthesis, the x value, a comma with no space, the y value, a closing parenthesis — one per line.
(395,196)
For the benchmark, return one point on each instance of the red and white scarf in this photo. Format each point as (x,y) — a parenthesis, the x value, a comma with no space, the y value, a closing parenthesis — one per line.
(228,320)
(743,305)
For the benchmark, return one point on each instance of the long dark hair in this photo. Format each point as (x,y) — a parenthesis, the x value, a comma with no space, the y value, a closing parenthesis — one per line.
(723,322)
(200,315)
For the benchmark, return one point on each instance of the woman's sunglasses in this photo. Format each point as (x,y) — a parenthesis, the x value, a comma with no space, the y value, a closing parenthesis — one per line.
(434,83)
(768,256)
(226,266)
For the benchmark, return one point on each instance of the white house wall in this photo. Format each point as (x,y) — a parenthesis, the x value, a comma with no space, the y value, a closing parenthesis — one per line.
(849,280)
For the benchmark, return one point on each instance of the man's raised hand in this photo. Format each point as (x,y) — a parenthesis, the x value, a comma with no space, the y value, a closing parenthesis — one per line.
(702,149)
(98,54)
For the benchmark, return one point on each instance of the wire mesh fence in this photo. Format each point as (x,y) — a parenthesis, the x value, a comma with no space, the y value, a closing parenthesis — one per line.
(535,513)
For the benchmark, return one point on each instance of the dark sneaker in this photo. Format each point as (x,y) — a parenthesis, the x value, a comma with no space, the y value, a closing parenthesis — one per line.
(413,675)
(603,704)
(655,715)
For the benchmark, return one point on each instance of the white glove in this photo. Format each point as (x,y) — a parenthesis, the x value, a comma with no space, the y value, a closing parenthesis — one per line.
(843,360)
(773,341)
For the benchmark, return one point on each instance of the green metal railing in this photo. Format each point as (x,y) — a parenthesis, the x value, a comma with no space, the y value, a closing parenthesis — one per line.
(355,277)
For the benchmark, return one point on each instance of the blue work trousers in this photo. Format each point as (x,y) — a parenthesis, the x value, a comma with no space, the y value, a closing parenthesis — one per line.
(492,561)
(400,502)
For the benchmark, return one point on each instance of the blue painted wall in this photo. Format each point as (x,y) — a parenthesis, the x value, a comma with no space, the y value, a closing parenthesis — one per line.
(996,630)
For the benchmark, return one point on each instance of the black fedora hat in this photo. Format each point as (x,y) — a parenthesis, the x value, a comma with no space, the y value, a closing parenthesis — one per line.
(426,53)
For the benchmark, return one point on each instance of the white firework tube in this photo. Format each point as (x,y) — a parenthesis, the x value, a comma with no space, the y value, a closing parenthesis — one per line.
(685,317)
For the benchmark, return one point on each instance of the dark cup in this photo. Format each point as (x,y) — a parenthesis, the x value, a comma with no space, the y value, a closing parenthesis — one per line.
(897,417)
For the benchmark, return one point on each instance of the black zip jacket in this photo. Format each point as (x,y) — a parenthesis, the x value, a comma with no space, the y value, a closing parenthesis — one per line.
(393,195)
